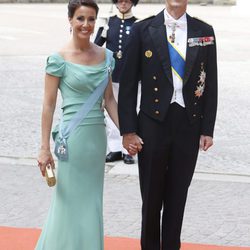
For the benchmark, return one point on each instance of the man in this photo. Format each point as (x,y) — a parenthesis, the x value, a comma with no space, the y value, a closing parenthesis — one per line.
(174,56)
(115,33)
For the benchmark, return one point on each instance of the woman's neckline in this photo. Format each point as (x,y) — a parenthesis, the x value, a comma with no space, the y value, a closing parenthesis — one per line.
(83,65)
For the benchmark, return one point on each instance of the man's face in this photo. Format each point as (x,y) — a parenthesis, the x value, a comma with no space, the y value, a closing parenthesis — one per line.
(124,5)
(177,4)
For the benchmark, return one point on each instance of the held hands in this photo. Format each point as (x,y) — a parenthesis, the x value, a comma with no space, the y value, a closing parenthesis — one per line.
(205,142)
(44,158)
(132,143)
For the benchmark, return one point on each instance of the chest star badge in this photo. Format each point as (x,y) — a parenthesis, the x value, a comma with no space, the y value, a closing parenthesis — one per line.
(201,87)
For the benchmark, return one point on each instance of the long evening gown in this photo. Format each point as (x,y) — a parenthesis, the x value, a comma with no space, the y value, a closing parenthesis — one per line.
(75,218)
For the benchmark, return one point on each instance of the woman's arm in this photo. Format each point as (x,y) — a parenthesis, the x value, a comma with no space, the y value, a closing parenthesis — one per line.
(49,103)
(111,104)
(111,107)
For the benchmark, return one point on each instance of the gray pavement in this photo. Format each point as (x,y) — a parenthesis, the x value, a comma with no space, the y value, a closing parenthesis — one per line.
(217,211)
(218,204)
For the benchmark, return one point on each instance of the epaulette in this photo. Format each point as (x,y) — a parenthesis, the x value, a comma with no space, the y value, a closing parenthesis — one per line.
(198,19)
(144,19)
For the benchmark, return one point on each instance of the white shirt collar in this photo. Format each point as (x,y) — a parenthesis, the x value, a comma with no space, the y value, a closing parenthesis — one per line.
(169,20)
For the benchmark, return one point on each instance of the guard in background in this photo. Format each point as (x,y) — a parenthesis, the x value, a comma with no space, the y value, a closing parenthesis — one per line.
(114,32)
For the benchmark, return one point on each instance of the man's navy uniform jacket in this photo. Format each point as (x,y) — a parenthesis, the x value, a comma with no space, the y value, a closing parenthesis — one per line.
(147,59)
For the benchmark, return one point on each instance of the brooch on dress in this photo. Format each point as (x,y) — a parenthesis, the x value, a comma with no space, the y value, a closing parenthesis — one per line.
(202,77)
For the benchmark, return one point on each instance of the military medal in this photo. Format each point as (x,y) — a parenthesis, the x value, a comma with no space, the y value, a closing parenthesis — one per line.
(201,87)
(128,28)
(199,90)
(172,36)
(148,53)
(202,75)
(119,54)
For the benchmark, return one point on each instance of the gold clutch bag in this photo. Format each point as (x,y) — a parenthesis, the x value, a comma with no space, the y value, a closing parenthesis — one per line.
(50,176)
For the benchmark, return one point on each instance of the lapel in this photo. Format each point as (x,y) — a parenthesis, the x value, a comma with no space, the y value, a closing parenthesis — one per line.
(157,31)
(192,52)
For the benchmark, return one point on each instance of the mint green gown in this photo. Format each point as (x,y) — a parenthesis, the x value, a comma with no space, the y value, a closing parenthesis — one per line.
(75,218)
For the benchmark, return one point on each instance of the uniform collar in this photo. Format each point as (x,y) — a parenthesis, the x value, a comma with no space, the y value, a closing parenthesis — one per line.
(125,16)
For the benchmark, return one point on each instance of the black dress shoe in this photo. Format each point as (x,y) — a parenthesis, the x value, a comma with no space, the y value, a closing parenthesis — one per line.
(114,156)
(128,159)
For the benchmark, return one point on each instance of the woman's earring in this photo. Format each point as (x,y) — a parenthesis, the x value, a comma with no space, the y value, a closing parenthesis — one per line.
(70,30)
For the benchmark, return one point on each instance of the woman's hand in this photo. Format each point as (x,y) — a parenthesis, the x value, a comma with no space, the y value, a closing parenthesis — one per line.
(44,158)
(132,143)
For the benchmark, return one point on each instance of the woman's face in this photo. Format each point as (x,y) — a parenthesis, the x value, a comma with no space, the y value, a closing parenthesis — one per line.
(83,22)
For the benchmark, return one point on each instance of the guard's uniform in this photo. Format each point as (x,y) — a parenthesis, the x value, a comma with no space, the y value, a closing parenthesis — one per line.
(115,33)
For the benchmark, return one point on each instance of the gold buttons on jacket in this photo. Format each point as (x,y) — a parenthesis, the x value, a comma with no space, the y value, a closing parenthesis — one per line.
(154,77)
(156,100)
(194,115)
(148,53)
(155,89)
(195,103)
(157,112)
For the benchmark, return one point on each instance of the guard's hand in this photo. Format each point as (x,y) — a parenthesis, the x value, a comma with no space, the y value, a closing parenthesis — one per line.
(44,158)
(205,142)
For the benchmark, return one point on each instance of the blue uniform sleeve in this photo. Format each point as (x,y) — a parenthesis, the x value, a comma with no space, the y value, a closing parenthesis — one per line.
(99,40)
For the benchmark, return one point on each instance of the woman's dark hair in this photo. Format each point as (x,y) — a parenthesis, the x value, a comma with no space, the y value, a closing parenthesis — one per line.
(75,4)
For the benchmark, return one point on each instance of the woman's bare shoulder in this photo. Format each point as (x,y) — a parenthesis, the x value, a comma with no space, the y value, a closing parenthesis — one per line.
(100,51)
(64,50)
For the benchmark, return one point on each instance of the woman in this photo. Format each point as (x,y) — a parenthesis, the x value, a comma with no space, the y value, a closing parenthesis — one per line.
(75,219)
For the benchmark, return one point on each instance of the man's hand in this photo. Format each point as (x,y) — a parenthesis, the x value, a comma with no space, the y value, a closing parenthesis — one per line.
(205,142)
(132,143)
